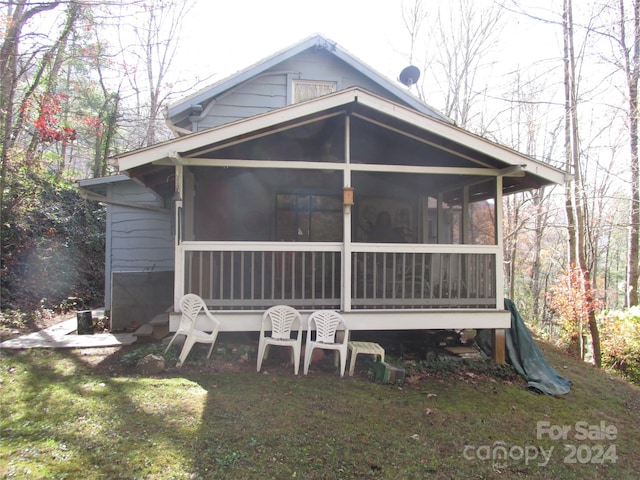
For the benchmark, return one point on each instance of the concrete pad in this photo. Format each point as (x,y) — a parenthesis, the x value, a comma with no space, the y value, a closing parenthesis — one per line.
(61,336)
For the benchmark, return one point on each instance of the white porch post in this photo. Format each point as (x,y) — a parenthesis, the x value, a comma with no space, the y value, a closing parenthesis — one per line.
(178,281)
(500,251)
(498,334)
(346,249)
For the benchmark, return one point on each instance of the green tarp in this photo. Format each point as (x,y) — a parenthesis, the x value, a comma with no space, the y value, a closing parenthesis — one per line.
(525,356)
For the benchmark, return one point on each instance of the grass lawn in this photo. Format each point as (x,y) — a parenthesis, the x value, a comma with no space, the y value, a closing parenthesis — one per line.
(88,415)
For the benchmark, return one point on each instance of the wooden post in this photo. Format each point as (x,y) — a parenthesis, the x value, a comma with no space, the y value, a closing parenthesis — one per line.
(498,343)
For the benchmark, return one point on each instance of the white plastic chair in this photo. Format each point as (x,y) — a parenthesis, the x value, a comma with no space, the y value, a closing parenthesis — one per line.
(280,320)
(191,305)
(326,324)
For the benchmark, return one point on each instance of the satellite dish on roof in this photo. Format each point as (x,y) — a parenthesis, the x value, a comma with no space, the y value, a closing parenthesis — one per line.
(409,75)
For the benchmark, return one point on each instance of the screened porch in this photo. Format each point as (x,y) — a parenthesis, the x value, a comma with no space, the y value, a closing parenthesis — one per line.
(257,237)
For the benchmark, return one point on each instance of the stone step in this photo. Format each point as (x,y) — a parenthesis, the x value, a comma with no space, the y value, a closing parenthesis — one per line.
(160,325)
(144,333)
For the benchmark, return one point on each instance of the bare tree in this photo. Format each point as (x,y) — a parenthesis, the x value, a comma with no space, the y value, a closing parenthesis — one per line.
(151,51)
(577,211)
(458,50)
(628,46)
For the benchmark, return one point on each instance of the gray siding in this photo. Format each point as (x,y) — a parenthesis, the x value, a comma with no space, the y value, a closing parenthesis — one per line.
(138,240)
(321,65)
(271,89)
(261,94)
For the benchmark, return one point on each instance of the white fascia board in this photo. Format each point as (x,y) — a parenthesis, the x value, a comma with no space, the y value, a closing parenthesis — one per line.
(91,182)
(176,146)
(462,137)
(388,85)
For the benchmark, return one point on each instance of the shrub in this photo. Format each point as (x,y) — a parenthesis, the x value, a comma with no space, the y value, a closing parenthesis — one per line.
(620,339)
(52,243)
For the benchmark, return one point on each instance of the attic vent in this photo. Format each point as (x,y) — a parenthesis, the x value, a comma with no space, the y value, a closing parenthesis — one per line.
(326,45)
(303,90)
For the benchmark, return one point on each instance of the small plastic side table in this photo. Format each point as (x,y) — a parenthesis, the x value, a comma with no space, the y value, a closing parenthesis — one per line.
(369,348)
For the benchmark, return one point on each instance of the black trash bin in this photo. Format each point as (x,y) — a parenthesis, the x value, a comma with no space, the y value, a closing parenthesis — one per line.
(85,322)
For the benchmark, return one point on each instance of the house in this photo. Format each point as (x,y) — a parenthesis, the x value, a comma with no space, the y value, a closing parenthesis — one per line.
(309,179)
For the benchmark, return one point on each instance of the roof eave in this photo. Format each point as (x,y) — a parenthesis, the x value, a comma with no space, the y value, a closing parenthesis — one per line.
(237,78)
(169,152)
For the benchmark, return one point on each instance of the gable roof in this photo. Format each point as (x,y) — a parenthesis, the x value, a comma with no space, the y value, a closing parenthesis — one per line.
(440,134)
(317,42)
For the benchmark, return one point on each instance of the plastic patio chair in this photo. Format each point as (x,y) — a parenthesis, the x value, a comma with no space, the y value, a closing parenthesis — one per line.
(280,320)
(191,305)
(326,324)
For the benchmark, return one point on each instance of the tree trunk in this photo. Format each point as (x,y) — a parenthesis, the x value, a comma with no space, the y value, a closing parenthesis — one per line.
(576,207)
(540,223)
(632,67)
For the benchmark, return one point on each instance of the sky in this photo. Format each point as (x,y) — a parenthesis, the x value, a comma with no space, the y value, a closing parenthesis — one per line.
(220,38)
(233,34)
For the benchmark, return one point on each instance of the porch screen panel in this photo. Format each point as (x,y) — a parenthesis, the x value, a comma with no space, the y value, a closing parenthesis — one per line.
(314,140)
(398,207)
(264,204)
(482,213)
(387,207)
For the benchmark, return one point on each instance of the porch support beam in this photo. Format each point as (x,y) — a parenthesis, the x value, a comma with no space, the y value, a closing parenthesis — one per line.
(374,320)
(226,162)
(513,171)
(498,345)
(355,167)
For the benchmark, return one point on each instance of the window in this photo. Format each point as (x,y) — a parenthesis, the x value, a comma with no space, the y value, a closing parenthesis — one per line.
(309,218)
(303,90)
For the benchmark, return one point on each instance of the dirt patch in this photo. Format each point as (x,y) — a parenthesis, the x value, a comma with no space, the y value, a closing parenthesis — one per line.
(104,358)
(236,352)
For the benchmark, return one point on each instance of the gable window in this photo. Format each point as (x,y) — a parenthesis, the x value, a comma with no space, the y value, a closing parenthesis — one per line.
(303,90)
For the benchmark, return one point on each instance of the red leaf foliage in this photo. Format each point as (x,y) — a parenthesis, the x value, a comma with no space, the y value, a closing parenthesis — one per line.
(47,124)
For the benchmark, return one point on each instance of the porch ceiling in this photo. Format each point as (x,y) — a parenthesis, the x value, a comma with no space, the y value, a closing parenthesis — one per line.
(159,178)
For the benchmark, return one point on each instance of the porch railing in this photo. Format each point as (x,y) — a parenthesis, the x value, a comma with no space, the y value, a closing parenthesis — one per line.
(248,276)
(423,280)
(256,276)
